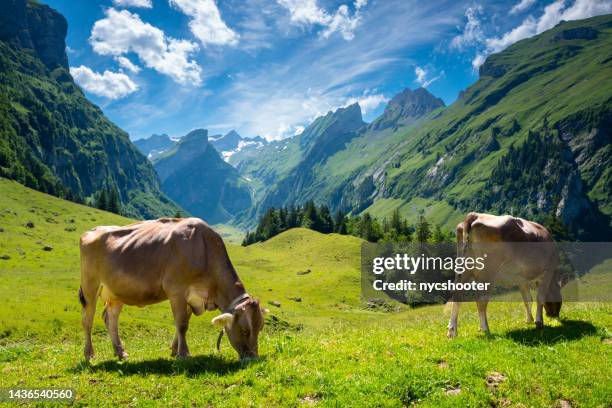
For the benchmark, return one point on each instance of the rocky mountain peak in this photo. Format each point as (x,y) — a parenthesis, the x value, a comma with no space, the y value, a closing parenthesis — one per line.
(29,24)
(407,107)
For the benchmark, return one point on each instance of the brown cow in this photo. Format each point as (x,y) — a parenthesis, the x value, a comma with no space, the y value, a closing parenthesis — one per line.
(524,245)
(182,260)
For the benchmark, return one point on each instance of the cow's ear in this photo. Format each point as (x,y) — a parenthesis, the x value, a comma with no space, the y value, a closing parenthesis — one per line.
(265,311)
(223,319)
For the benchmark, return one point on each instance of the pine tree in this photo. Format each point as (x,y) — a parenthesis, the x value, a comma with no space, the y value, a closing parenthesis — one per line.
(326,222)
(310,217)
(423,230)
(438,236)
(102,201)
(114,204)
(340,223)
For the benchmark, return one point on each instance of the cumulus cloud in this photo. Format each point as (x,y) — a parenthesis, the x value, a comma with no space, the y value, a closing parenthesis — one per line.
(206,22)
(308,13)
(472,32)
(423,76)
(552,15)
(111,85)
(133,3)
(522,6)
(127,64)
(477,61)
(368,102)
(360,4)
(121,32)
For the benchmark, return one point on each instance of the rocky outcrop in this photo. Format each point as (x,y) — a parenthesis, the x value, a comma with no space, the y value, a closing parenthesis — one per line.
(406,108)
(37,27)
(194,175)
(154,145)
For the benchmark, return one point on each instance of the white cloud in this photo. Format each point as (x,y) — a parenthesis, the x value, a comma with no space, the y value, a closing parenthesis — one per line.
(133,3)
(308,13)
(127,64)
(472,32)
(360,4)
(422,77)
(522,6)
(478,60)
(368,102)
(206,22)
(111,85)
(553,14)
(121,32)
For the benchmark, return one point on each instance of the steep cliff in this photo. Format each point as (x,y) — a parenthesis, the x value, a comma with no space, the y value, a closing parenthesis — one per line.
(51,137)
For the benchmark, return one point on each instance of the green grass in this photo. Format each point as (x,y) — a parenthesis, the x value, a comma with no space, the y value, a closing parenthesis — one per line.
(229,233)
(326,349)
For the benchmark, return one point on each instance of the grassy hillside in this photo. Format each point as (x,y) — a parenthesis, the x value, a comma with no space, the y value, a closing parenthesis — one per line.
(476,155)
(555,85)
(326,349)
(51,137)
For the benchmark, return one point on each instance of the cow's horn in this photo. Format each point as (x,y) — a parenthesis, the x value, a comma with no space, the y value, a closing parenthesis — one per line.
(223,319)
(219,340)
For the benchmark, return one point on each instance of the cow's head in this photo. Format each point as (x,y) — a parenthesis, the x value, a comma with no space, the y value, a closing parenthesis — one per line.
(553,297)
(242,327)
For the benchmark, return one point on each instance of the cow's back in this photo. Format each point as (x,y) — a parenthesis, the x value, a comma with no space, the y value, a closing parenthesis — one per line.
(514,240)
(138,263)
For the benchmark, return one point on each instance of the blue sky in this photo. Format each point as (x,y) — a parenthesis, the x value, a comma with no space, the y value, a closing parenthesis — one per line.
(269,67)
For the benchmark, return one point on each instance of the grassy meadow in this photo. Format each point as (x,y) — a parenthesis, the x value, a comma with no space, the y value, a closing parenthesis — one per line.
(321,347)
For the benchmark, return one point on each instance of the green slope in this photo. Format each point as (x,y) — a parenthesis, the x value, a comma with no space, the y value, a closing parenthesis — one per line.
(555,85)
(51,137)
(473,155)
(326,349)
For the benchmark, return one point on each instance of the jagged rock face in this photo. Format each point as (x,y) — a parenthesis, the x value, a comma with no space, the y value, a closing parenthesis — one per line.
(37,27)
(407,107)
(227,142)
(52,138)
(194,175)
(155,145)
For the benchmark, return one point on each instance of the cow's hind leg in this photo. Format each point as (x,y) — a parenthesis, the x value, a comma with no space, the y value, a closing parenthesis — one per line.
(181,313)
(482,314)
(526,294)
(111,319)
(88,293)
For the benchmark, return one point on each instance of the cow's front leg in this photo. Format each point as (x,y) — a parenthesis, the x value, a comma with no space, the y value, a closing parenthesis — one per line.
(111,319)
(526,294)
(452,323)
(181,313)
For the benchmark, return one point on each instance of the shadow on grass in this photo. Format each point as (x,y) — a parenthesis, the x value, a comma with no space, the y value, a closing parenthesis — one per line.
(169,366)
(569,330)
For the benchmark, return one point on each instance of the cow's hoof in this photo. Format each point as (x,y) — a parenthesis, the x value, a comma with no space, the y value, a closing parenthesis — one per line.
(452,333)
(122,355)
(89,354)
(539,325)
(183,356)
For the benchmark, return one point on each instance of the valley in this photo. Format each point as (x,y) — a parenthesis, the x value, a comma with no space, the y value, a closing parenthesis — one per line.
(315,349)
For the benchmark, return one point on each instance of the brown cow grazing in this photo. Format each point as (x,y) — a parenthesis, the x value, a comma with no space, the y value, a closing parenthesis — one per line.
(526,246)
(182,260)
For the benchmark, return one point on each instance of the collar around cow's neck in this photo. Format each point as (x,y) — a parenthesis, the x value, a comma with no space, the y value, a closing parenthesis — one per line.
(237,300)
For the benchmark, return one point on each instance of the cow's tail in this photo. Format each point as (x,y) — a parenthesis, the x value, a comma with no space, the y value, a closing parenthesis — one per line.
(82,297)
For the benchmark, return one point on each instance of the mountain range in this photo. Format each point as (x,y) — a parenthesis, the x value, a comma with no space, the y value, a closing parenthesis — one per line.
(530,137)
(194,175)
(51,137)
